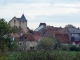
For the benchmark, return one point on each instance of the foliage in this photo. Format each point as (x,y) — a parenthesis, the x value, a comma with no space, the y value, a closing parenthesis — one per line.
(74,48)
(70,26)
(41,55)
(48,43)
(5,40)
(14,29)
(65,47)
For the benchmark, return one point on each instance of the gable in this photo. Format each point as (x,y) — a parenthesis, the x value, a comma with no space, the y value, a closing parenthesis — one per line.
(11,22)
(14,18)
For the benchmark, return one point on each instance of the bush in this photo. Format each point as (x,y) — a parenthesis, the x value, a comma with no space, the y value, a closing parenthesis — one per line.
(65,48)
(74,48)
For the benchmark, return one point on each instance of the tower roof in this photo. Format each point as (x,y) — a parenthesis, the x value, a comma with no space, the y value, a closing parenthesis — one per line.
(23,19)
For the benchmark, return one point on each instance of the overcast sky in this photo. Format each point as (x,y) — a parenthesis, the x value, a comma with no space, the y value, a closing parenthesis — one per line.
(53,12)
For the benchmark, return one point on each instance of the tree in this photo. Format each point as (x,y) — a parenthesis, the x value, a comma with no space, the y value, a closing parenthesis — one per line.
(48,43)
(70,26)
(5,40)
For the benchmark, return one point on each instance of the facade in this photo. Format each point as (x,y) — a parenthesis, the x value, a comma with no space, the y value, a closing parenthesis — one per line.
(75,36)
(28,42)
(19,23)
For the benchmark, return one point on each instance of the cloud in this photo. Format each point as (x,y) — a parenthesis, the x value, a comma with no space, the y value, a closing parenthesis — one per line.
(37,1)
(53,12)
(32,10)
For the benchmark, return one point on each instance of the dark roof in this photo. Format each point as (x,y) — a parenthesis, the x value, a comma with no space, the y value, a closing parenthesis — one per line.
(74,30)
(44,24)
(23,19)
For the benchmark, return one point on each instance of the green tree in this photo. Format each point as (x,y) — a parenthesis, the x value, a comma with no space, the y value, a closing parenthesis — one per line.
(48,43)
(5,40)
(70,26)
(14,30)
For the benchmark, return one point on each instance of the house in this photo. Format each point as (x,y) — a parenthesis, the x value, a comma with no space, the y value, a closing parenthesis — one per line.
(14,36)
(19,23)
(58,32)
(62,37)
(75,35)
(28,42)
(18,34)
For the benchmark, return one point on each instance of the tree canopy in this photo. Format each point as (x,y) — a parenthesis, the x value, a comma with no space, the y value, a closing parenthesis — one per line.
(70,26)
(5,40)
(48,43)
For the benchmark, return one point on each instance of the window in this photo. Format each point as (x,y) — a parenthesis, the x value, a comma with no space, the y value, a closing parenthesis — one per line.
(20,37)
(20,26)
(20,43)
(25,37)
(31,48)
(20,23)
(16,26)
(14,21)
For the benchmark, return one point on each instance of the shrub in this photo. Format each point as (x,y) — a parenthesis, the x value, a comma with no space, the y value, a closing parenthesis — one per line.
(74,48)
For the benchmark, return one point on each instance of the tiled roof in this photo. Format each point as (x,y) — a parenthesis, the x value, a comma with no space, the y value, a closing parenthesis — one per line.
(29,37)
(23,19)
(63,38)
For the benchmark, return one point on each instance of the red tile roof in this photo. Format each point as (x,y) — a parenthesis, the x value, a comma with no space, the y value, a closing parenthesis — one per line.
(29,37)
(63,38)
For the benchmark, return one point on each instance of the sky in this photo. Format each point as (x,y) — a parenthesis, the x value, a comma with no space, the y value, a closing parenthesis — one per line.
(52,12)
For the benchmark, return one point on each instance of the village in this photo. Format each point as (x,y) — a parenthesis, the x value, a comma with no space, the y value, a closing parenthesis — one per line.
(45,42)
(39,29)
(28,39)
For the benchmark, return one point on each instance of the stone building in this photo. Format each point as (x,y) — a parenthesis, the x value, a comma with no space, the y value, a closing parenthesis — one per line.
(19,23)
(28,42)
